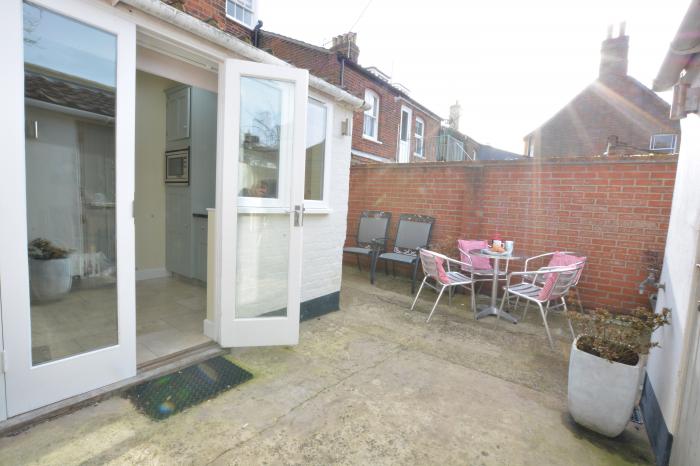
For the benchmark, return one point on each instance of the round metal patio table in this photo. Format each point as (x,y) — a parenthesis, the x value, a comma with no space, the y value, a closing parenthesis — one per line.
(492,309)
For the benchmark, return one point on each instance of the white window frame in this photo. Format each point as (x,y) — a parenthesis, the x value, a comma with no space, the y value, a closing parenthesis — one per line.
(323,206)
(672,149)
(420,137)
(369,93)
(254,13)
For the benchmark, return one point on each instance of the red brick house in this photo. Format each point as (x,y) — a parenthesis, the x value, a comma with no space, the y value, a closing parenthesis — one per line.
(396,129)
(616,114)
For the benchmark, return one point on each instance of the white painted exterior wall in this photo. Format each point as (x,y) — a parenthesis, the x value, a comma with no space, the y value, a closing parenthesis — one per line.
(324,231)
(666,364)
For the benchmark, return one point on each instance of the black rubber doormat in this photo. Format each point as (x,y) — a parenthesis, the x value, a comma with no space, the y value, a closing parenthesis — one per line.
(172,393)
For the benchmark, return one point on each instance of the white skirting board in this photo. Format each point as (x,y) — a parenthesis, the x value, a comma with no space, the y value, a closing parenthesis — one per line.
(147,274)
(210,329)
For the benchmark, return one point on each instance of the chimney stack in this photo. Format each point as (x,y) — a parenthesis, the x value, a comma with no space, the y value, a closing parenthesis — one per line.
(346,45)
(613,53)
(455,113)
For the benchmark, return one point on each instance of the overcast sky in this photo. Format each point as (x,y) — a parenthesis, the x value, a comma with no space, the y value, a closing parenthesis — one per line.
(511,63)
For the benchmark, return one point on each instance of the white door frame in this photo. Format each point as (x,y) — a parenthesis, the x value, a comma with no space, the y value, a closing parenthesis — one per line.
(685,439)
(29,387)
(268,330)
(404,147)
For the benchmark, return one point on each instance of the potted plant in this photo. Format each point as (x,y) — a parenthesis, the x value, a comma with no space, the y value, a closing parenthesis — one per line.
(49,270)
(606,366)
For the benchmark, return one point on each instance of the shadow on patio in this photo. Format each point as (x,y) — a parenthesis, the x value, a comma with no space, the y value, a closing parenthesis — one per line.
(371,384)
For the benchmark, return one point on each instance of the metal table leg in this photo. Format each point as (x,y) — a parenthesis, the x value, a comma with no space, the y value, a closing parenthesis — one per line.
(492,309)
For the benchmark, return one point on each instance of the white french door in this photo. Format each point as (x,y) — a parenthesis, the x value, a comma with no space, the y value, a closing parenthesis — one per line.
(405,135)
(68,187)
(260,202)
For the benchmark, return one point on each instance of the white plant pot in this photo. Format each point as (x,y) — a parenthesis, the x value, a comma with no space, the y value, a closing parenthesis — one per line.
(49,280)
(602,394)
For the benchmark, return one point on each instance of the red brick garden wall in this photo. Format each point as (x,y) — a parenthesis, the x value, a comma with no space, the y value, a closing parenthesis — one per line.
(615,211)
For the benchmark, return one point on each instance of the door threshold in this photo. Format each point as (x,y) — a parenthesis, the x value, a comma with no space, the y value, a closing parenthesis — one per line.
(147,371)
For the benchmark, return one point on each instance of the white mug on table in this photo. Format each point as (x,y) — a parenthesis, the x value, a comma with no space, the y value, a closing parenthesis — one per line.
(509,246)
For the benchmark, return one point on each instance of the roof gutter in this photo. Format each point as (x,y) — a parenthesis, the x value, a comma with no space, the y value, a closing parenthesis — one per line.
(182,20)
(680,56)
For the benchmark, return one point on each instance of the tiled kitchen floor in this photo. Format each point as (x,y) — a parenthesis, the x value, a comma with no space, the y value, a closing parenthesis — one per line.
(169,318)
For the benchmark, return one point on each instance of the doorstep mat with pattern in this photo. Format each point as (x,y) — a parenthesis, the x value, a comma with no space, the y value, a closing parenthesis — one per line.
(172,393)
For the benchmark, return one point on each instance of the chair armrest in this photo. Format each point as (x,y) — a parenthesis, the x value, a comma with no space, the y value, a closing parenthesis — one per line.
(527,261)
(468,262)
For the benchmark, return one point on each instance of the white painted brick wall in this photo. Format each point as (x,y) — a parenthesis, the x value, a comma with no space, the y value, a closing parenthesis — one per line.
(324,234)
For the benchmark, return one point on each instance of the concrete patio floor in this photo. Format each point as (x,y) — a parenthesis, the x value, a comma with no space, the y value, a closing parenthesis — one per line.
(371,384)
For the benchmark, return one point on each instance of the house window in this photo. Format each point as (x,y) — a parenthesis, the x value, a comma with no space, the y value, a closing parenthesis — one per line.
(663,143)
(530,148)
(242,11)
(316,145)
(370,128)
(419,133)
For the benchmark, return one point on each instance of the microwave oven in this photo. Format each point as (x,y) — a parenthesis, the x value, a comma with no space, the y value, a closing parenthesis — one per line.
(177,166)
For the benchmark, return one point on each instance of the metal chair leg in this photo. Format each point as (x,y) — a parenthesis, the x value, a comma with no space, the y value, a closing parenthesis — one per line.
(473,301)
(546,327)
(578,300)
(372,266)
(436,303)
(415,274)
(527,304)
(566,314)
(418,294)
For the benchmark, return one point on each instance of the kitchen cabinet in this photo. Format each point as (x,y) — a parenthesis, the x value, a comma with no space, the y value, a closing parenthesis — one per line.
(190,123)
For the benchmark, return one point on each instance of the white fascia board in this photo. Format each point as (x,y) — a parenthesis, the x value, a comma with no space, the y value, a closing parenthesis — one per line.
(206,31)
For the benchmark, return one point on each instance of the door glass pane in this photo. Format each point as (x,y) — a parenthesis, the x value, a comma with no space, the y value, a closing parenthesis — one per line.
(404,126)
(262,254)
(70,90)
(315,150)
(262,264)
(265,134)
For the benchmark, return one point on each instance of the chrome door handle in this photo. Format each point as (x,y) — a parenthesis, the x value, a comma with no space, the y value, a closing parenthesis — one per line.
(298,215)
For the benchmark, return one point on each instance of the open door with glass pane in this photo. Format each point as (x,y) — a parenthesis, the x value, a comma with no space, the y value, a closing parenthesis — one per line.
(260,203)
(68,306)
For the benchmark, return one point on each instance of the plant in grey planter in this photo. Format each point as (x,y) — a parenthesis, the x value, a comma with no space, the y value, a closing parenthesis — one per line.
(606,368)
(49,271)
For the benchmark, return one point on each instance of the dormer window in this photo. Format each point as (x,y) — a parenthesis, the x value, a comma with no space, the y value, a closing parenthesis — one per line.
(242,11)
(664,143)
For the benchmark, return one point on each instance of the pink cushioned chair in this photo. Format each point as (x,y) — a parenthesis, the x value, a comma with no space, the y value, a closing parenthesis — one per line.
(437,267)
(543,287)
(555,259)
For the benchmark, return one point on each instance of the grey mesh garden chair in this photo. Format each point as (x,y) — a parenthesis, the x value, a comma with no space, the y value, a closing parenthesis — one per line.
(434,265)
(412,234)
(543,287)
(371,237)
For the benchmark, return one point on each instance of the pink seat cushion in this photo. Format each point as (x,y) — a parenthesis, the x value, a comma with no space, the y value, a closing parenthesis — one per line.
(559,259)
(440,263)
(478,262)
(428,258)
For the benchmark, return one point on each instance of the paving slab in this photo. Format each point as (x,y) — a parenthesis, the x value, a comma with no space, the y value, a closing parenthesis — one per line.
(370,384)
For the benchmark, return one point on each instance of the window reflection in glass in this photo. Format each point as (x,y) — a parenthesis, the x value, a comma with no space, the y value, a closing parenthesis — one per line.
(264,133)
(70,79)
(315,150)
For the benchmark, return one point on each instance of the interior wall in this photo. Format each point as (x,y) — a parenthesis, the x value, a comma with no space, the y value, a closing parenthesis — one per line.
(150,171)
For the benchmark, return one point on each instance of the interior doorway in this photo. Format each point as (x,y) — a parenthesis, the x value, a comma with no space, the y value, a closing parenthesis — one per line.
(175,180)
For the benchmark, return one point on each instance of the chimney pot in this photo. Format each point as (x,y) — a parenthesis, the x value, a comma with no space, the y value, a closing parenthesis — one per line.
(613,54)
(345,44)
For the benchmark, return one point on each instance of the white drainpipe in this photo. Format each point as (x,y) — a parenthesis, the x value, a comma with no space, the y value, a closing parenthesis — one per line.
(208,32)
